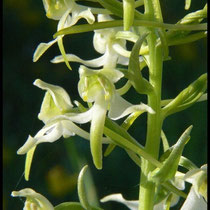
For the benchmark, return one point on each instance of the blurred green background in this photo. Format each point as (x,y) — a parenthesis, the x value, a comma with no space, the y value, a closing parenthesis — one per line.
(55,166)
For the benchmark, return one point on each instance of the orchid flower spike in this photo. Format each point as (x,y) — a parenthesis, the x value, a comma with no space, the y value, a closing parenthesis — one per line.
(34,200)
(113,50)
(98,86)
(61,10)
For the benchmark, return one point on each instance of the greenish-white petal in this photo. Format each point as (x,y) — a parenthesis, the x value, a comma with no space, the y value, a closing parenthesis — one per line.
(179,183)
(30,142)
(132,205)
(80,12)
(46,134)
(59,95)
(112,74)
(96,130)
(56,9)
(97,62)
(28,162)
(120,108)
(198,177)
(80,118)
(119,49)
(55,102)
(127,35)
(34,200)
(193,202)
(41,49)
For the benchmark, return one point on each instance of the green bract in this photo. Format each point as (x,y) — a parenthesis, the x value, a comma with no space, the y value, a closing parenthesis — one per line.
(170,165)
(187,97)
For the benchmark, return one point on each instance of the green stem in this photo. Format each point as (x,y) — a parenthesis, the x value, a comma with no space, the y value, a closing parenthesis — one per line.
(154,121)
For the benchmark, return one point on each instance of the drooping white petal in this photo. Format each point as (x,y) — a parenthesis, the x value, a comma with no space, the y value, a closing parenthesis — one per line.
(119,108)
(123,60)
(33,199)
(30,142)
(96,130)
(112,74)
(46,134)
(69,128)
(119,49)
(97,62)
(80,118)
(132,205)
(104,17)
(99,42)
(41,49)
(81,12)
(193,202)
(179,183)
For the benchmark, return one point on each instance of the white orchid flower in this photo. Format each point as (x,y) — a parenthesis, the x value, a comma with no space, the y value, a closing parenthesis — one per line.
(98,86)
(61,10)
(195,199)
(34,200)
(105,42)
(58,115)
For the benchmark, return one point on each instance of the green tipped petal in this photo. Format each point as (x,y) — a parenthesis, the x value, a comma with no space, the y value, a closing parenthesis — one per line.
(98,62)
(56,100)
(55,9)
(120,108)
(96,131)
(41,49)
(193,202)
(133,205)
(48,133)
(198,177)
(187,4)
(29,158)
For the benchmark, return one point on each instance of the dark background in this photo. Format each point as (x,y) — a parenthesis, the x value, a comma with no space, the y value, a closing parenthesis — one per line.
(24,27)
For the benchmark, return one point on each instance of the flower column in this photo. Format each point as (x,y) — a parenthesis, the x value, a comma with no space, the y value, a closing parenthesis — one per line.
(154,121)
